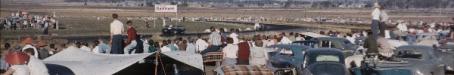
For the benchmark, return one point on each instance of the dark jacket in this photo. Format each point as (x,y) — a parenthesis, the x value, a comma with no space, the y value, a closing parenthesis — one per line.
(371,45)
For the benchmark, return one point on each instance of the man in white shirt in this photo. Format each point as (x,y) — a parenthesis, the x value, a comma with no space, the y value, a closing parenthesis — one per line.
(201,44)
(230,53)
(164,47)
(116,31)
(379,17)
(214,41)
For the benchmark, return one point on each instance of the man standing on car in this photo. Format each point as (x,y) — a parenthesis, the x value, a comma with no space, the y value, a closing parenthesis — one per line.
(116,38)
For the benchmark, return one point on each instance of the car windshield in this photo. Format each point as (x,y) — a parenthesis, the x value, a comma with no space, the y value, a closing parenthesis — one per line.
(412,54)
(327,58)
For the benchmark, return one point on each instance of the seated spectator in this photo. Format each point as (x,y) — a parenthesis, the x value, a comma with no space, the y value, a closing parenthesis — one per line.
(3,65)
(243,53)
(201,44)
(101,47)
(215,41)
(27,42)
(259,54)
(84,46)
(230,53)
(163,46)
(191,47)
(152,46)
(132,37)
(36,66)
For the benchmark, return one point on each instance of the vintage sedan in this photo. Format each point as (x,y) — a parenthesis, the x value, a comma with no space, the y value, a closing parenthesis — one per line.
(324,61)
(285,59)
(331,42)
(408,60)
(173,30)
(446,53)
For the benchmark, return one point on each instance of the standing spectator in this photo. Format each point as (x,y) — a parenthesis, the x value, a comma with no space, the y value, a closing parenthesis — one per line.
(46,27)
(230,53)
(371,45)
(201,44)
(116,38)
(131,41)
(379,16)
(259,54)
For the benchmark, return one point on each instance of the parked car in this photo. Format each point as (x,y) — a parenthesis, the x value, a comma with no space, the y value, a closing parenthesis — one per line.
(446,53)
(408,60)
(286,58)
(173,30)
(331,42)
(324,61)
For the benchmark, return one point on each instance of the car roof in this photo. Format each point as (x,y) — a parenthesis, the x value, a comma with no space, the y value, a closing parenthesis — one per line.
(324,51)
(415,47)
(289,46)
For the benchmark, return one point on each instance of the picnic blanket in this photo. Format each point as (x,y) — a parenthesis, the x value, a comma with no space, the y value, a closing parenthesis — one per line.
(246,70)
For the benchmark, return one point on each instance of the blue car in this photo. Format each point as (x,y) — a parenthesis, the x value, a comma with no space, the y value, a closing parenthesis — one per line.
(331,42)
(324,61)
(286,59)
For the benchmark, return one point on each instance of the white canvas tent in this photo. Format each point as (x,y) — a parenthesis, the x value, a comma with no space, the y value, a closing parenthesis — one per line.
(87,63)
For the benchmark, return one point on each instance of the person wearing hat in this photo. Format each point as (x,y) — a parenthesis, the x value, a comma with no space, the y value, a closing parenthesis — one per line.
(27,43)
(379,17)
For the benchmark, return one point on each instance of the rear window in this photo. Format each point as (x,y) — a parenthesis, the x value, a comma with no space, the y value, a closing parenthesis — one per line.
(327,58)
(409,54)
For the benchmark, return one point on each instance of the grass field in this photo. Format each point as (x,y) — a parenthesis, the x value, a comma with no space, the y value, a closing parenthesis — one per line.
(81,20)
(86,26)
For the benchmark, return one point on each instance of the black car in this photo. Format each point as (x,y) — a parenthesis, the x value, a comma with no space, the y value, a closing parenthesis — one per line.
(173,30)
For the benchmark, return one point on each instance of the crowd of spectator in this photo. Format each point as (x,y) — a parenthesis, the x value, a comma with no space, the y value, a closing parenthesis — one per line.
(24,20)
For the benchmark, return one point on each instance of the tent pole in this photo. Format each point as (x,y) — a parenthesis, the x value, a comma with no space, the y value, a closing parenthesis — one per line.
(156,63)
